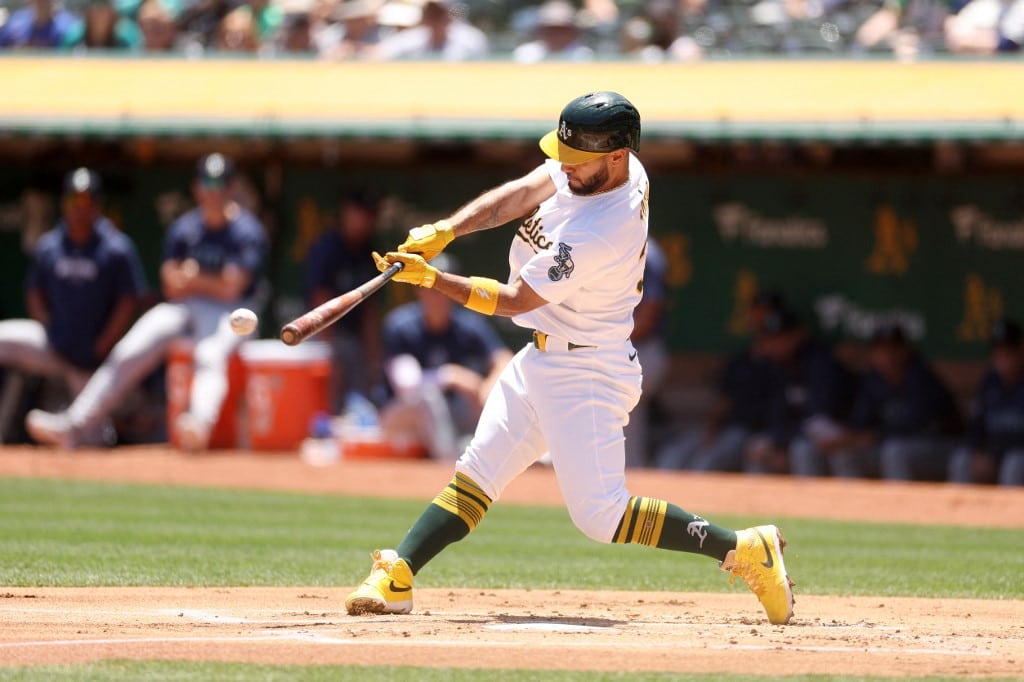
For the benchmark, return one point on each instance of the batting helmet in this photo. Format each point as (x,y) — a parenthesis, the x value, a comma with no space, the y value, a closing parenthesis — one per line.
(591,126)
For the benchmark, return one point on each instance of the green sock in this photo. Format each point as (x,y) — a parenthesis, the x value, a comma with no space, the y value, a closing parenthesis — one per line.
(450,517)
(656,523)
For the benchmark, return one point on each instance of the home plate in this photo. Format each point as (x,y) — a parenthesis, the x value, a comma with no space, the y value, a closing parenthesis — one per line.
(548,627)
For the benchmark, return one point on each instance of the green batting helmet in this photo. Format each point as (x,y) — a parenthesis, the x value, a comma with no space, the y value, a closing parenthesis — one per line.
(591,126)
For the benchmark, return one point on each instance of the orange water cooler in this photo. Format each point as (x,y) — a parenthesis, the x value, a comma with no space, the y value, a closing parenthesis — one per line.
(286,386)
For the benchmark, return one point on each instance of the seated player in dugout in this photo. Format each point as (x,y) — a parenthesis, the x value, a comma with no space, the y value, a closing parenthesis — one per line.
(575,264)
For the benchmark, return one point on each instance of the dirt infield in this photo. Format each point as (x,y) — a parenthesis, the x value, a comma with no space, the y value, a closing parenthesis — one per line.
(539,629)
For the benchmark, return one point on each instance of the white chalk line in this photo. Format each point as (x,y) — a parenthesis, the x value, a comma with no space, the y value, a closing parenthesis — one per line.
(320,639)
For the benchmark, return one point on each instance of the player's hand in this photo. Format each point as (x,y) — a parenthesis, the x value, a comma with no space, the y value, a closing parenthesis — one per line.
(416,271)
(428,240)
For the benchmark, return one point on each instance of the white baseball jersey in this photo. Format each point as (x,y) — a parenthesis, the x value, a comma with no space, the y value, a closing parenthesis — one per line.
(584,256)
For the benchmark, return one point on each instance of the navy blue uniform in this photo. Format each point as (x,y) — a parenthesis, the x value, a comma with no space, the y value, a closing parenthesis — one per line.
(997,419)
(81,284)
(241,242)
(468,341)
(747,383)
(336,266)
(812,384)
(920,406)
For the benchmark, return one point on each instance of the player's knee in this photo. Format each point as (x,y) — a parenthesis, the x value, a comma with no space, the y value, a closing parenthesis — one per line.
(597,520)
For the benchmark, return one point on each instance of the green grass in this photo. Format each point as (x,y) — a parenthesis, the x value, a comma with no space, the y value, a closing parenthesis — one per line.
(62,533)
(174,670)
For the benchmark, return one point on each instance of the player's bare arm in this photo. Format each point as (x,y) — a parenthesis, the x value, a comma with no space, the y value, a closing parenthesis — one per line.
(504,203)
(494,207)
(183,278)
(38,310)
(512,299)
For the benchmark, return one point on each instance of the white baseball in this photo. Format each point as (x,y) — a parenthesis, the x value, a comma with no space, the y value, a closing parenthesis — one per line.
(243,321)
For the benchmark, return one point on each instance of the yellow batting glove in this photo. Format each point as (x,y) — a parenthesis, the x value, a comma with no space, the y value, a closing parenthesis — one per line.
(428,240)
(416,271)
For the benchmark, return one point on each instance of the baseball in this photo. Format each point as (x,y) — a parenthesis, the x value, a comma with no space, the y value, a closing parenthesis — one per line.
(243,321)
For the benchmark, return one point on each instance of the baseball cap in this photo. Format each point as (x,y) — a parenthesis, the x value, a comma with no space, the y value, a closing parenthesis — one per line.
(591,126)
(889,333)
(215,170)
(1006,333)
(82,181)
(779,321)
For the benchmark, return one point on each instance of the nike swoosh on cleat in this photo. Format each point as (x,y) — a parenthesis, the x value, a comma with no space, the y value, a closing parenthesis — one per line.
(396,588)
(767,551)
(632,356)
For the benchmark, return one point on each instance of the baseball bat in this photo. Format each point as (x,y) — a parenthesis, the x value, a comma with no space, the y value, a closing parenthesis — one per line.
(329,312)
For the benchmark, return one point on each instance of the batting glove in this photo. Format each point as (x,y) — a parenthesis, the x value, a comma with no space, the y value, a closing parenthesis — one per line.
(428,240)
(416,271)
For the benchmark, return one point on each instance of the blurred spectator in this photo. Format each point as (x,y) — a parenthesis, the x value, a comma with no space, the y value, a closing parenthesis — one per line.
(357,30)
(237,32)
(439,35)
(213,259)
(994,450)
(558,36)
(648,339)
(904,419)
(104,29)
(656,33)
(40,25)
(906,27)
(82,292)
(296,35)
(441,361)
(985,27)
(739,412)
(158,27)
(339,261)
(808,398)
(268,18)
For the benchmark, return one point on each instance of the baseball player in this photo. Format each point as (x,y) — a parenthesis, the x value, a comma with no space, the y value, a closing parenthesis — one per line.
(213,256)
(576,261)
(82,291)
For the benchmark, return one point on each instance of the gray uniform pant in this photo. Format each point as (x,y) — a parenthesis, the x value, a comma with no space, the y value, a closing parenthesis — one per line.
(145,346)
(695,452)
(24,347)
(1011,471)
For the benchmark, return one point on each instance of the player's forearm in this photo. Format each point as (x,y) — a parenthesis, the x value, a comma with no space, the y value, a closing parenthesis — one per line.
(35,302)
(503,203)
(508,299)
(120,319)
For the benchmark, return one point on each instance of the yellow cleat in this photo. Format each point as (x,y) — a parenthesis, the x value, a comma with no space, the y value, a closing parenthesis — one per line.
(388,589)
(758,560)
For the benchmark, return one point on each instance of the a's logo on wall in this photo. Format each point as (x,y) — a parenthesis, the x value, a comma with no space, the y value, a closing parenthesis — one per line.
(677,252)
(563,266)
(738,224)
(983,305)
(895,240)
(743,297)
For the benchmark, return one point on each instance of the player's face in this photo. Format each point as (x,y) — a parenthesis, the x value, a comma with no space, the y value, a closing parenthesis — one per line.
(80,210)
(589,177)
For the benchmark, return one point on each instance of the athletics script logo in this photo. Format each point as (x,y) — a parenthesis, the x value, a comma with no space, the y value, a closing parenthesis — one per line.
(563,266)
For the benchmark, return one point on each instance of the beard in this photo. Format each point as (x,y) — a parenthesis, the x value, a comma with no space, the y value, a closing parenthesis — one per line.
(591,186)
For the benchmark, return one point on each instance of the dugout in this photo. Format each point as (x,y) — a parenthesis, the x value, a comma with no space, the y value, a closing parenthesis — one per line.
(864,190)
